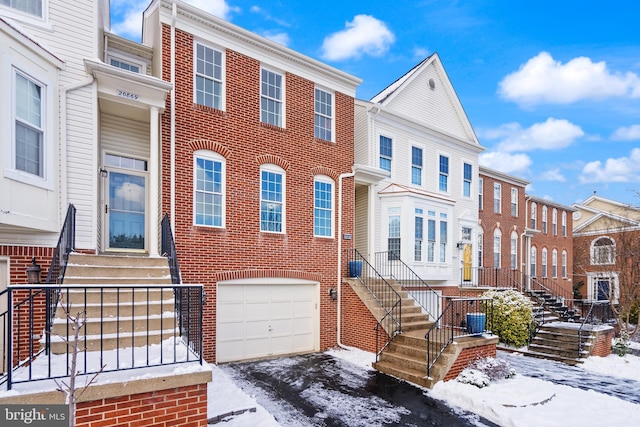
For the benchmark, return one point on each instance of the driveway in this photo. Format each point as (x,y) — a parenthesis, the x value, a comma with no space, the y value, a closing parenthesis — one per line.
(322,390)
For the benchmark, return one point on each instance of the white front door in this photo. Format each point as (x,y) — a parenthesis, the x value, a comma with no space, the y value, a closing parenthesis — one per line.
(4,281)
(262,320)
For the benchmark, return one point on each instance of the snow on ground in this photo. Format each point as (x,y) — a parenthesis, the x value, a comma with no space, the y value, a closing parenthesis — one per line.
(519,402)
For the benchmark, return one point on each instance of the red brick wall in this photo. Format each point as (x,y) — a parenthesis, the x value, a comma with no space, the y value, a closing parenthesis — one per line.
(467,356)
(246,144)
(602,346)
(358,323)
(183,406)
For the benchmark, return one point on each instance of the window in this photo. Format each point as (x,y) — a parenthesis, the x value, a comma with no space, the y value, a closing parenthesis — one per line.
(544,262)
(431,237)
(564,264)
(32,7)
(209,186)
(603,251)
(272,196)
(418,234)
(443,237)
(497,198)
(564,224)
(116,62)
(514,250)
(497,243)
(393,243)
(514,202)
(323,206)
(554,263)
(466,185)
(444,173)
(385,153)
(533,261)
(416,165)
(271,95)
(480,250)
(29,126)
(323,118)
(480,194)
(534,214)
(544,219)
(554,222)
(208,77)
(465,234)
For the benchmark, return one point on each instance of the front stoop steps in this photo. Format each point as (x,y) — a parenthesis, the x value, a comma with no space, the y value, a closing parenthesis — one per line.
(129,317)
(560,342)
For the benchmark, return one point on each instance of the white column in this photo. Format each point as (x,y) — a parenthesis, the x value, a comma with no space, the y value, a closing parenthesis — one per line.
(154,181)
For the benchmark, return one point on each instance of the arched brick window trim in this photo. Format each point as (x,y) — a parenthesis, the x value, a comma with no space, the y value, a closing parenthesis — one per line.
(206,144)
(273,160)
(267,273)
(321,170)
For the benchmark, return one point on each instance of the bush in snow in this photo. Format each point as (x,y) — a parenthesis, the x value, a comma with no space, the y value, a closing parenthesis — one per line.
(621,344)
(512,316)
(484,370)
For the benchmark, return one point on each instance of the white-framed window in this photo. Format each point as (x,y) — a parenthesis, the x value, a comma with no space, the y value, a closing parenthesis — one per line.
(603,286)
(323,215)
(554,263)
(209,189)
(480,249)
(29,126)
(271,98)
(418,235)
(603,251)
(554,222)
(480,193)
(431,236)
(544,262)
(443,177)
(497,197)
(533,261)
(497,248)
(393,240)
(386,152)
(272,199)
(514,250)
(534,214)
(416,165)
(126,63)
(514,202)
(564,224)
(544,219)
(30,7)
(564,264)
(209,77)
(467,176)
(323,121)
(444,237)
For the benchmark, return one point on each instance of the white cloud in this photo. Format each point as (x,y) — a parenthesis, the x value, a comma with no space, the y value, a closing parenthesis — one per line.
(420,53)
(364,35)
(622,169)
(126,15)
(280,38)
(553,134)
(552,175)
(544,80)
(630,133)
(505,162)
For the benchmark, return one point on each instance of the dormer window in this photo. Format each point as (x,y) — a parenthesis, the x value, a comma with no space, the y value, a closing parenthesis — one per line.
(125,63)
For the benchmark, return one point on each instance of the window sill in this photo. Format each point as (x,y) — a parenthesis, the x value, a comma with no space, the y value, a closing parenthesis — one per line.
(272,127)
(28,179)
(215,111)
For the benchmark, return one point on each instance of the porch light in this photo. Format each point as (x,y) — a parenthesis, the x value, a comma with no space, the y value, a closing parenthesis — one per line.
(33,272)
(333,294)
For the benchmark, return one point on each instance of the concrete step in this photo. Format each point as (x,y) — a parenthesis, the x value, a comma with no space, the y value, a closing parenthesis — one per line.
(404,361)
(122,325)
(113,341)
(118,281)
(414,376)
(113,310)
(555,351)
(136,294)
(557,358)
(77,259)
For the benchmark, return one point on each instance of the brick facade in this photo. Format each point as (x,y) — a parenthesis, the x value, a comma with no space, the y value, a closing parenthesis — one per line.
(467,356)
(358,323)
(207,254)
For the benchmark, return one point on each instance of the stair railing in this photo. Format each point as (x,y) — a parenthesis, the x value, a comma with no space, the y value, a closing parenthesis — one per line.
(383,293)
(389,264)
(491,277)
(599,312)
(169,250)
(462,317)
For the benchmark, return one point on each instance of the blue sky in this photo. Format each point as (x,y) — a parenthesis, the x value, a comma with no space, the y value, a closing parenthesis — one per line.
(551,88)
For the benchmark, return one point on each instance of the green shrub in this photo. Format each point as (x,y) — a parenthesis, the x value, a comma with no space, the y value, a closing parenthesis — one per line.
(512,316)
(621,344)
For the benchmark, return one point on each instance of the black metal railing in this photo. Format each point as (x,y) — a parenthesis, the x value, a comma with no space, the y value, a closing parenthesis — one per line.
(126,327)
(389,265)
(491,277)
(461,317)
(169,250)
(383,293)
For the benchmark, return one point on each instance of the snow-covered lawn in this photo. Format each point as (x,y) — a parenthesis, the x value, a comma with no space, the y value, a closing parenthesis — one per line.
(520,401)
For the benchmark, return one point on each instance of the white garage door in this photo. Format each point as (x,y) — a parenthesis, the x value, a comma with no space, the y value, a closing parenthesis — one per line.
(261,319)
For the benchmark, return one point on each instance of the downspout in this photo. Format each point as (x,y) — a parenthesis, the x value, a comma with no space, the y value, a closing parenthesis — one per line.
(172,191)
(339,269)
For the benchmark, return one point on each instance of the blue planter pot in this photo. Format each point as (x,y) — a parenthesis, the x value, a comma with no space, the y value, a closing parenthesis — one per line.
(476,323)
(355,268)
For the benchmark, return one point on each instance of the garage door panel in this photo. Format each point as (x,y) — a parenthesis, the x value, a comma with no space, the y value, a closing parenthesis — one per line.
(260,320)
